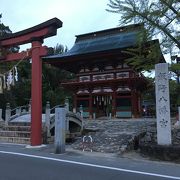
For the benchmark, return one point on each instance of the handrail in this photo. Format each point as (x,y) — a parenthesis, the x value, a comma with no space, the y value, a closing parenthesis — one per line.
(53,109)
(68,114)
(49,116)
(18,111)
(20,107)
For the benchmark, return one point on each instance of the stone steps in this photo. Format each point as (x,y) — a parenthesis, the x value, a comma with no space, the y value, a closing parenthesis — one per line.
(17,128)
(18,140)
(19,124)
(16,133)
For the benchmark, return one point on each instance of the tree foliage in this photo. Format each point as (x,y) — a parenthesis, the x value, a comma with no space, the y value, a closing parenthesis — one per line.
(175,68)
(160,17)
(59,49)
(161,21)
(20,94)
(174,89)
(4,29)
(144,56)
(52,88)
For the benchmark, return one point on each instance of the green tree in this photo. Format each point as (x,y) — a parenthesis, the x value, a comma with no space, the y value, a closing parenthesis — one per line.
(174,89)
(52,89)
(175,67)
(20,93)
(7,96)
(59,49)
(52,79)
(5,31)
(160,17)
(161,20)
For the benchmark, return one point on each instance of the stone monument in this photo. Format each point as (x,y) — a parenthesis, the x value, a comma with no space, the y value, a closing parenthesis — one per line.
(162,104)
(60,131)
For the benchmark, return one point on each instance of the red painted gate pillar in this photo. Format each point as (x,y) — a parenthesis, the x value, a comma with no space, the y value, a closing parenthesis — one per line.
(36,95)
(34,35)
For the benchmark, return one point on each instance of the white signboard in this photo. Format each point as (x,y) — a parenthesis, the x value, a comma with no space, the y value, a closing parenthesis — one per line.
(162,104)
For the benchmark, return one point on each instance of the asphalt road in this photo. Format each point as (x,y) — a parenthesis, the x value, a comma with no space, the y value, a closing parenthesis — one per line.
(22,164)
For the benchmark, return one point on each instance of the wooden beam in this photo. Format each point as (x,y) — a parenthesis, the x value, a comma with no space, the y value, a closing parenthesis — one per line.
(43,51)
(38,32)
(24,39)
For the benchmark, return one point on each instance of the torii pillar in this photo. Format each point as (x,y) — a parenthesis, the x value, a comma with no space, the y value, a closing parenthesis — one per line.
(34,35)
(36,94)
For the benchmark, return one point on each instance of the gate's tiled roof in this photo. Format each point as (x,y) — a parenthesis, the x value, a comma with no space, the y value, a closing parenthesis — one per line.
(111,39)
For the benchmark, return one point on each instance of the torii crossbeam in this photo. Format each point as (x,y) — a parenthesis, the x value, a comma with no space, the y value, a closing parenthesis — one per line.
(34,35)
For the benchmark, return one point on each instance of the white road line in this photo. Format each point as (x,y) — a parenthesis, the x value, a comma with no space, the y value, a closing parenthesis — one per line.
(92,165)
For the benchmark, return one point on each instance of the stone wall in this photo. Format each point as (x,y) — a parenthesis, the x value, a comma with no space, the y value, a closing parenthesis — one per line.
(113,136)
(148,145)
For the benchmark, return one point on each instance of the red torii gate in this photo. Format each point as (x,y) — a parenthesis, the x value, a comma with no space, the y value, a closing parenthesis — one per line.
(34,35)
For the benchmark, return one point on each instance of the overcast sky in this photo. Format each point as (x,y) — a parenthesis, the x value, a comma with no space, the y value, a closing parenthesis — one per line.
(78,17)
